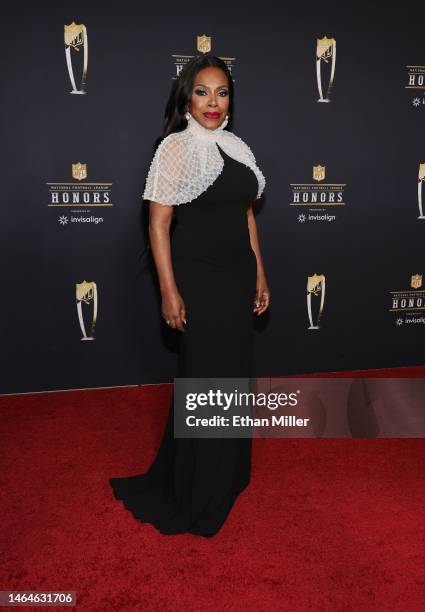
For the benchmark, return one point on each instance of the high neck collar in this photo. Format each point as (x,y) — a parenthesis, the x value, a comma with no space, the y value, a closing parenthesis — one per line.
(200,131)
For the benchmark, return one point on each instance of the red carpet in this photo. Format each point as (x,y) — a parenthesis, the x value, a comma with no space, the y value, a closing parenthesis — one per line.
(326,525)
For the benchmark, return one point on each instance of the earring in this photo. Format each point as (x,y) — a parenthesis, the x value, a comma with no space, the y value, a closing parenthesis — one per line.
(187,115)
(225,122)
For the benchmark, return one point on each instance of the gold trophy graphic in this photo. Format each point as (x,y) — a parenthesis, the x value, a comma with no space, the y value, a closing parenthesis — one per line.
(421,177)
(86,293)
(325,52)
(316,287)
(75,38)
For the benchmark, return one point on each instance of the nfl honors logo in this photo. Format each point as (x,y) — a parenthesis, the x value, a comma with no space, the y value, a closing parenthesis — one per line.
(409,304)
(203,45)
(316,196)
(79,196)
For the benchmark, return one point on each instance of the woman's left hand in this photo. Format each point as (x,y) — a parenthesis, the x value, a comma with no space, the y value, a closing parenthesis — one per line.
(262,295)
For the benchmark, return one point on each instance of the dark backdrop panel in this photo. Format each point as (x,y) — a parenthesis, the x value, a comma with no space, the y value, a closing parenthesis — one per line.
(369,137)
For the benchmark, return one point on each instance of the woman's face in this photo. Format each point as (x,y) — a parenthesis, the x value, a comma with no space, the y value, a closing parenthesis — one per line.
(210,97)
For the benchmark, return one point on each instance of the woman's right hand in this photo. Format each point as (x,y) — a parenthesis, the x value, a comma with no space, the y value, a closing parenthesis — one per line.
(173,309)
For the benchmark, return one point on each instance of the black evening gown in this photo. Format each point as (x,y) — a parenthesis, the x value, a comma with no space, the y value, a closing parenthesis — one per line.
(192,484)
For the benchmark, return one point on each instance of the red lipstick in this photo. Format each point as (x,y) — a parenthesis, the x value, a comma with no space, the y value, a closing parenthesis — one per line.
(212,115)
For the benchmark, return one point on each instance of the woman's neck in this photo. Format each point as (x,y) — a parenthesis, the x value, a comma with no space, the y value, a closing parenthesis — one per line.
(199,130)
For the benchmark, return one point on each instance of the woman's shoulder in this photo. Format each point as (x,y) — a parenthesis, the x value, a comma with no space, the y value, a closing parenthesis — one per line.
(172,144)
(175,137)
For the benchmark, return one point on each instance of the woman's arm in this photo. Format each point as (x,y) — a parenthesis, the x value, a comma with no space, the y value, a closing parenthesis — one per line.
(262,294)
(173,308)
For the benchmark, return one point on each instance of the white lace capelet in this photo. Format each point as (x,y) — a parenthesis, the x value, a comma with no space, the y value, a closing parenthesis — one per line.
(186,163)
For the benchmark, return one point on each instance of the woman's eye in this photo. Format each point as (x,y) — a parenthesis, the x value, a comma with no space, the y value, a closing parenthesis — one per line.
(222,93)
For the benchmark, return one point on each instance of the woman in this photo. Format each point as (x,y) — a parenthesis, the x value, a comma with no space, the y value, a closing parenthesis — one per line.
(212,280)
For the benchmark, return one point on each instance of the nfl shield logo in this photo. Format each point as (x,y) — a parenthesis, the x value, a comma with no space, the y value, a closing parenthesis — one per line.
(416,281)
(204,43)
(79,171)
(319,173)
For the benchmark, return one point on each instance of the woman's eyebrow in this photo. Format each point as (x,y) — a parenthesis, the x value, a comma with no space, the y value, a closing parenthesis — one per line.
(202,85)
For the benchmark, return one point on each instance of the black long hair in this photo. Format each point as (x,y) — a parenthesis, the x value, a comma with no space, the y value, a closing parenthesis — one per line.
(175,120)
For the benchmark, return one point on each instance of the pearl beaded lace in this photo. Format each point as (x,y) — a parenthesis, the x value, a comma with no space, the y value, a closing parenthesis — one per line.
(186,163)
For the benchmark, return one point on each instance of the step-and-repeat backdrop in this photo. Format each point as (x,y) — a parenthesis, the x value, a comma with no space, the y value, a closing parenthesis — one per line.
(331,100)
